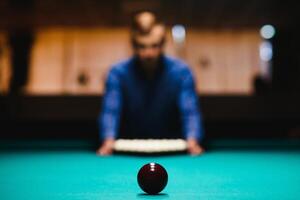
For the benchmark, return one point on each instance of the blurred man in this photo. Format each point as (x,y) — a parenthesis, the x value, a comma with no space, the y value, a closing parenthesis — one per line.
(150,95)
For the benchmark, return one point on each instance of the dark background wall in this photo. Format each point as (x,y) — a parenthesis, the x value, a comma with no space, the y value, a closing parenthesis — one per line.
(204,14)
(76,116)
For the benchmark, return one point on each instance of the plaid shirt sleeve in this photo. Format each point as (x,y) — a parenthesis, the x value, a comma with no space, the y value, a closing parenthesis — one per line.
(111,107)
(189,107)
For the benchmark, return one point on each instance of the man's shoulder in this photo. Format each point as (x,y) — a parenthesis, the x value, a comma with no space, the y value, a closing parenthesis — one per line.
(176,65)
(121,67)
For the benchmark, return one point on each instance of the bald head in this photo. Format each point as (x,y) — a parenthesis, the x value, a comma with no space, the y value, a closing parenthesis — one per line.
(144,21)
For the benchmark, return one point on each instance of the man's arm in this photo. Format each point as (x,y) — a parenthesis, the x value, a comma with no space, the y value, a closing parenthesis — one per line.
(190,113)
(110,113)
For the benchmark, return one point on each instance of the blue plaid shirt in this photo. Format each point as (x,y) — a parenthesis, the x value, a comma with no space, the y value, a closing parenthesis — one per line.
(165,106)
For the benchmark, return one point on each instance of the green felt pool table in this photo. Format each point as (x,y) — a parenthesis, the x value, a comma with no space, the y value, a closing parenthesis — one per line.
(77,173)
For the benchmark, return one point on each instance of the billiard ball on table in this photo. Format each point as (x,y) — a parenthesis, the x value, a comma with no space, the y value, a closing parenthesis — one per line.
(152,178)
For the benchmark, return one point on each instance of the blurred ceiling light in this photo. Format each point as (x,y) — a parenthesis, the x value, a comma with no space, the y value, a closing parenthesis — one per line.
(266,51)
(178,33)
(267,31)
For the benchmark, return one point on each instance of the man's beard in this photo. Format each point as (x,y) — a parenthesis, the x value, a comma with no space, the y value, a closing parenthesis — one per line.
(150,64)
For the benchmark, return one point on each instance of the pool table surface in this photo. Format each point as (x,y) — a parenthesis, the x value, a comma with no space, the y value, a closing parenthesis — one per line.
(77,173)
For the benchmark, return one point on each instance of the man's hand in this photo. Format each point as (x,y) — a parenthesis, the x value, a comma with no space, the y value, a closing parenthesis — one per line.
(106,148)
(193,147)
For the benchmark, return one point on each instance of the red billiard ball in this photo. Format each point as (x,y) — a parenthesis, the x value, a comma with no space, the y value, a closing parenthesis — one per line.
(152,178)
